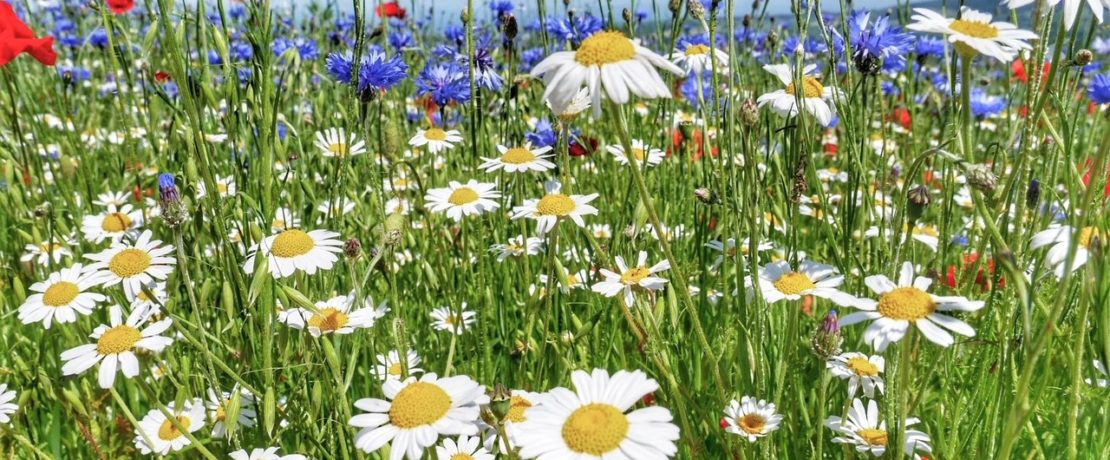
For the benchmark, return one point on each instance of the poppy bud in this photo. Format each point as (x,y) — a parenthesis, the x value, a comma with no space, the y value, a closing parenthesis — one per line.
(917,199)
(626,14)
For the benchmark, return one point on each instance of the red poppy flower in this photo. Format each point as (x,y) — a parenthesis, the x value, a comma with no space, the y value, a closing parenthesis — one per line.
(903,118)
(391,10)
(17,38)
(982,278)
(162,76)
(724,423)
(121,6)
(579,150)
(1089,166)
(1020,74)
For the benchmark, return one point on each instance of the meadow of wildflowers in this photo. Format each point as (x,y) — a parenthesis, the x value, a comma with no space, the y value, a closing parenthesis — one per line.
(554,230)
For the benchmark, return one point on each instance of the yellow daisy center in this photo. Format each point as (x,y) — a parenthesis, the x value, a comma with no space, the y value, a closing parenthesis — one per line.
(595,429)
(696,50)
(338,148)
(634,275)
(118,340)
(926,230)
(169,432)
(435,134)
(115,222)
(60,294)
(605,48)
(907,303)
(862,367)
(974,29)
(462,456)
(394,369)
(462,195)
(873,436)
(517,406)
(49,248)
(328,320)
(129,262)
(752,424)
(794,283)
(221,187)
(518,156)
(1088,235)
(221,413)
(556,204)
(810,88)
(639,153)
(292,243)
(420,403)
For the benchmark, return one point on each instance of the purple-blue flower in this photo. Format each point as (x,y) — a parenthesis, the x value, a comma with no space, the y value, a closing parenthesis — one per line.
(1099,91)
(444,83)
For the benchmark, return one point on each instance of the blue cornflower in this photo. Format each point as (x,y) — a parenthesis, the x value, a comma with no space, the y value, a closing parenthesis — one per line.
(689,90)
(501,7)
(485,69)
(214,58)
(378,73)
(167,188)
(340,66)
(881,42)
(444,83)
(984,105)
(583,26)
(73,75)
(307,48)
(241,51)
(530,57)
(456,34)
(401,39)
(543,135)
(1099,91)
(99,38)
(237,11)
(929,47)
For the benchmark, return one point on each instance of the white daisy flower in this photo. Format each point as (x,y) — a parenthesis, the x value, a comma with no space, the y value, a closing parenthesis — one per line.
(1071,8)
(113,224)
(7,404)
(47,252)
(398,205)
(451,320)
(751,419)
(730,249)
(115,346)
(269,453)
(517,246)
(601,231)
(907,303)
(594,421)
(459,200)
(519,159)
(569,110)
(416,413)
(778,281)
(60,297)
(132,265)
(815,97)
(284,220)
(1061,238)
(643,153)
(922,233)
(218,406)
(436,139)
(340,206)
(390,366)
(859,370)
(225,187)
(294,249)
(629,279)
(697,59)
(519,403)
(112,199)
(865,430)
(974,33)
(607,63)
(336,142)
(465,448)
(333,316)
(555,206)
(572,280)
(163,436)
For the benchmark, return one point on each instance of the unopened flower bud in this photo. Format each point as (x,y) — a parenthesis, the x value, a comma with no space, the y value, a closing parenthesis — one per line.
(1033,194)
(749,112)
(696,9)
(705,195)
(917,199)
(173,211)
(674,5)
(826,340)
(464,16)
(500,401)
(1083,57)
(627,15)
(353,248)
(392,140)
(509,26)
(981,177)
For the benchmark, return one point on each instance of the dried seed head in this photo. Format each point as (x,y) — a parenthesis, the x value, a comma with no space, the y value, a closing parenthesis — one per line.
(1084,57)
(696,9)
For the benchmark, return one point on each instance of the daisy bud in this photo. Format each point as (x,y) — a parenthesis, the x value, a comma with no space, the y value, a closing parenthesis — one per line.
(352,249)
(696,9)
(981,177)
(500,401)
(1083,57)
(918,198)
(706,196)
(749,113)
(826,341)
(1033,193)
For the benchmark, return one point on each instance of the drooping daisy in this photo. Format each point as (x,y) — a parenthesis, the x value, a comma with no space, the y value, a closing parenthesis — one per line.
(113,224)
(750,418)
(1071,8)
(416,413)
(630,279)
(218,406)
(115,346)
(519,159)
(697,58)
(1061,239)
(465,448)
(340,206)
(517,246)
(859,370)
(815,97)
(7,406)
(333,316)
(47,252)
(390,366)
(974,33)
(607,63)
(601,231)
(459,200)
(269,453)
(452,320)
(150,298)
(643,153)
(571,108)
(225,187)
(436,139)
(164,437)
(294,249)
(336,142)
(865,430)
(907,303)
(555,206)
(594,421)
(58,298)
(778,281)
(132,265)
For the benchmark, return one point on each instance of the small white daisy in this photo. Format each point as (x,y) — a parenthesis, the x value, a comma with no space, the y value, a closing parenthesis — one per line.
(697,59)
(907,303)
(60,297)
(390,366)
(643,153)
(465,448)
(7,404)
(132,265)
(555,206)
(436,139)
(629,279)
(859,370)
(865,430)
(111,199)
(1099,382)
(1061,238)
(815,97)
(218,406)
(737,253)
(459,200)
(517,246)
(1071,8)
(269,453)
(294,249)
(336,142)
(519,159)
(333,316)
(778,281)
(569,110)
(163,436)
(225,187)
(974,33)
(452,320)
(751,419)
(284,220)
(47,252)
(112,225)
(115,346)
